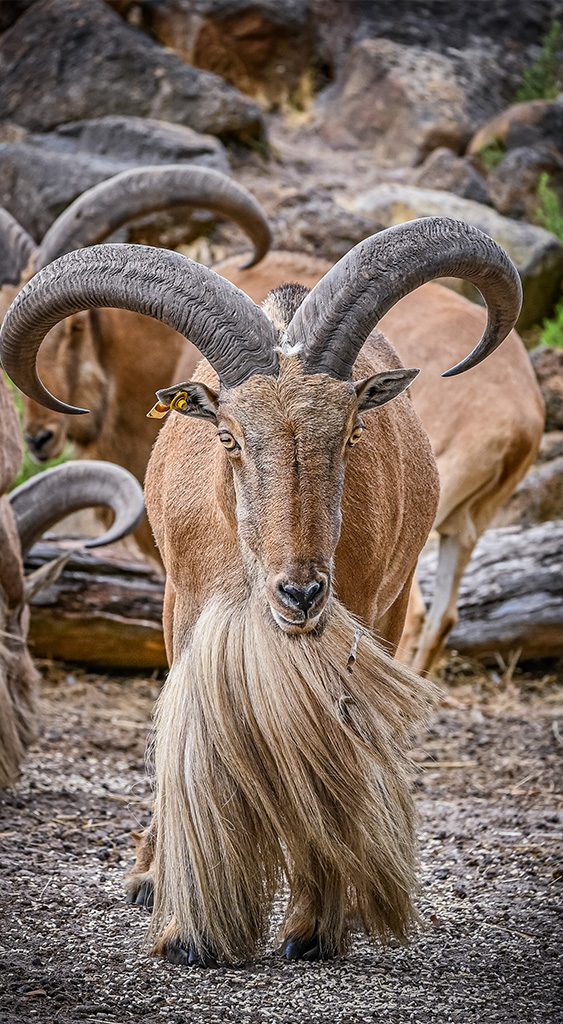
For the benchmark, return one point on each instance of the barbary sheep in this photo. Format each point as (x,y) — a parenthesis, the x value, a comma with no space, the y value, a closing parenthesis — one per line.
(289,517)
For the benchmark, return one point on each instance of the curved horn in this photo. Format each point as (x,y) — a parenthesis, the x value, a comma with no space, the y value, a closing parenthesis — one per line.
(50,496)
(335,319)
(102,209)
(16,249)
(231,332)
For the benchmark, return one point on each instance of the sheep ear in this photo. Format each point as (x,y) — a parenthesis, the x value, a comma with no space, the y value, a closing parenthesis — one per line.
(189,399)
(382,388)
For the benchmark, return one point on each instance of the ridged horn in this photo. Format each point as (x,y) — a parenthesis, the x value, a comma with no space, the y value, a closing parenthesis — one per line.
(47,498)
(340,312)
(231,332)
(16,249)
(102,209)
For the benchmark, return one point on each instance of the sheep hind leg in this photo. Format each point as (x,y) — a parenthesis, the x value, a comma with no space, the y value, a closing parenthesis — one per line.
(453,558)
(140,882)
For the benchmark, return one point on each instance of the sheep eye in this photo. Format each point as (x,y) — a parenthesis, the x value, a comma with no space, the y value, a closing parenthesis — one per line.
(355,436)
(228,441)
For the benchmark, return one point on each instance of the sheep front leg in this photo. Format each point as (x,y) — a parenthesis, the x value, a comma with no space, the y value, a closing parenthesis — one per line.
(315,925)
(140,882)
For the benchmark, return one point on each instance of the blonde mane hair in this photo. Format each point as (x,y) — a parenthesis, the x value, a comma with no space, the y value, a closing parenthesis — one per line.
(275,761)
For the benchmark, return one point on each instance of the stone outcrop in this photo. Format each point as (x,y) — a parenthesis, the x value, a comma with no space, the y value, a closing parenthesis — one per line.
(445,171)
(548,367)
(523,124)
(66,60)
(403,102)
(40,174)
(536,253)
(513,185)
(263,47)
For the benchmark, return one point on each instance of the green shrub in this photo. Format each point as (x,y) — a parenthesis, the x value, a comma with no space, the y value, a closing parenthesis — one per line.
(549,213)
(491,155)
(543,80)
(552,329)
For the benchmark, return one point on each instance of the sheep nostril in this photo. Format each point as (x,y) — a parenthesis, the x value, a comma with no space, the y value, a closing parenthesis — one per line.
(38,442)
(301,597)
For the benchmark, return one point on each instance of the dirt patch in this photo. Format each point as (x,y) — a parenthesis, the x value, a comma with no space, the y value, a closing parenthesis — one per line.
(491,831)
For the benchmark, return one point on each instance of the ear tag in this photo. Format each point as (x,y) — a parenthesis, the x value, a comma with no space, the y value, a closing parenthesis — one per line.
(180,401)
(158,412)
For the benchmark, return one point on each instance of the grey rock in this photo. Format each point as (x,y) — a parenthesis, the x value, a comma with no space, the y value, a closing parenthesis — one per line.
(42,173)
(313,222)
(548,367)
(537,254)
(450,173)
(513,185)
(536,122)
(403,102)
(66,60)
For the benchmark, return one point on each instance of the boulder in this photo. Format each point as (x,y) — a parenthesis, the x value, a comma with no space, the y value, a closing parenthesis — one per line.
(513,184)
(313,222)
(548,367)
(523,124)
(539,496)
(403,102)
(537,254)
(450,173)
(42,173)
(263,47)
(66,60)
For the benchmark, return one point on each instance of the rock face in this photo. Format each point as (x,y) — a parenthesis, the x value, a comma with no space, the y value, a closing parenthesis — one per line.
(262,47)
(42,173)
(403,102)
(445,171)
(523,124)
(539,496)
(313,222)
(513,185)
(66,60)
(548,366)
(536,253)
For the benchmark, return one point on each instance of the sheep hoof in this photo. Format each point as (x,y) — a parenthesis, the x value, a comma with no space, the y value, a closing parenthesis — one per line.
(296,948)
(143,896)
(178,954)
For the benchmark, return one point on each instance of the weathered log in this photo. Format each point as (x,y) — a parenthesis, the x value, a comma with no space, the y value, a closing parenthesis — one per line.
(511,597)
(105,609)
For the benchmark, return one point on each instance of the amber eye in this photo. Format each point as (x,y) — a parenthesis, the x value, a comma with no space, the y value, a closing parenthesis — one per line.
(355,436)
(228,441)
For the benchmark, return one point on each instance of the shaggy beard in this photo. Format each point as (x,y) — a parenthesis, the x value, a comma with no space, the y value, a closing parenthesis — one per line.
(274,761)
(19,685)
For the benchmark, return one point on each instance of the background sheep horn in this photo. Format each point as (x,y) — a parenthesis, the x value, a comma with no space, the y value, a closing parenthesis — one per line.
(105,207)
(334,321)
(50,496)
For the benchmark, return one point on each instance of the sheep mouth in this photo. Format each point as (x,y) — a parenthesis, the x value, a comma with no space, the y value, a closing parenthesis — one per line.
(298,625)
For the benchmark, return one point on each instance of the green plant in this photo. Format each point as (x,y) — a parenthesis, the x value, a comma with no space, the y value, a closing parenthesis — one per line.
(543,80)
(29,467)
(552,329)
(549,213)
(491,155)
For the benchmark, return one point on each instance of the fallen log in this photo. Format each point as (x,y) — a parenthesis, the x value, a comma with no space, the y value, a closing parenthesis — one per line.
(105,609)
(511,597)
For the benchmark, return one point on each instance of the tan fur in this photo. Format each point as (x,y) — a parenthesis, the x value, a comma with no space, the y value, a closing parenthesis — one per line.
(274,761)
(264,767)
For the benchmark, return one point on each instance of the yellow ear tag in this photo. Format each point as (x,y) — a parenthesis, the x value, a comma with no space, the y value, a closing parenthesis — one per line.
(179,401)
(158,412)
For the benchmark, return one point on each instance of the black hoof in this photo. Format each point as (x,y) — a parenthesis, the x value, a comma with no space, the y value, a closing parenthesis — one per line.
(144,896)
(295,948)
(176,953)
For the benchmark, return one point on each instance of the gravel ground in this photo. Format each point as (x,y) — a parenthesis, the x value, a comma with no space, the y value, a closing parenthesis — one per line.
(490,799)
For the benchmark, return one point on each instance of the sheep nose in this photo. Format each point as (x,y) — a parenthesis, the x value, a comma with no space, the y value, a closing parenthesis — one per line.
(302,597)
(37,442)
